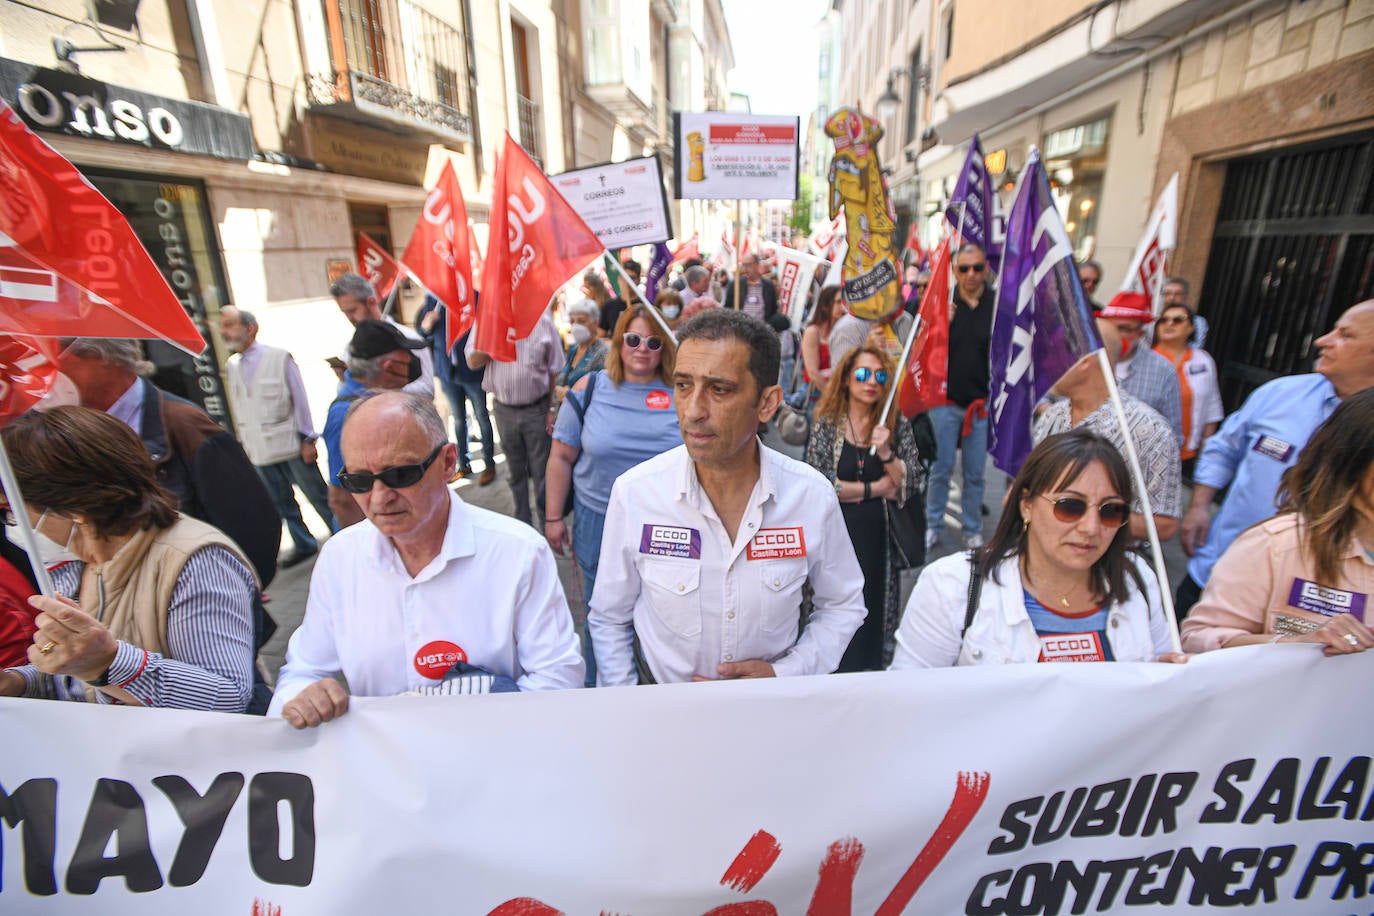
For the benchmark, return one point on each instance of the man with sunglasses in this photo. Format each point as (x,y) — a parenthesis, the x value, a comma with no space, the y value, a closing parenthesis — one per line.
(1085,402)
(426,584)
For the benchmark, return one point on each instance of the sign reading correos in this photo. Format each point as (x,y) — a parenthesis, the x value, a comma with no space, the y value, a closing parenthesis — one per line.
(724,155)
(623,202)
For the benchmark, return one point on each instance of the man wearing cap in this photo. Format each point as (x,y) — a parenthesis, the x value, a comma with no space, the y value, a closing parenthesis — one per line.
(1141,372)
(380,358)
(358,301)
(427,587)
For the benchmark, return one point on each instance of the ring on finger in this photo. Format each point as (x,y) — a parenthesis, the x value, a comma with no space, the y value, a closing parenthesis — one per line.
(1352,639)
(45,649)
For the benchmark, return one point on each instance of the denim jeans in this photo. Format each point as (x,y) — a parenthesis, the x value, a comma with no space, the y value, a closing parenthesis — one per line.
(948,423)
(587,528)
(279,478)
(457,394)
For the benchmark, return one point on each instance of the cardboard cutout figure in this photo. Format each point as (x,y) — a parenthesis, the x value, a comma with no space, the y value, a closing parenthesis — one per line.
(872,286)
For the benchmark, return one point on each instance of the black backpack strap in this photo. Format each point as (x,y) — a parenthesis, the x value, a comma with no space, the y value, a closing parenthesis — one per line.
(581,408)
(975,592)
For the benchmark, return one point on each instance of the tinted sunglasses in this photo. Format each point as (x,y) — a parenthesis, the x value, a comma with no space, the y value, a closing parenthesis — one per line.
(864,374)
(976,268)
(1069,509)
(633,341)
(396,478)
(1174,319)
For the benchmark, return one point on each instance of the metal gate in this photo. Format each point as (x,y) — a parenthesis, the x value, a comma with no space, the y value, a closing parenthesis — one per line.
(1293,248)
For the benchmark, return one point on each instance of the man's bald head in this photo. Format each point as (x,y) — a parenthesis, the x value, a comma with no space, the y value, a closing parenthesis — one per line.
(389,409)
(1345,355)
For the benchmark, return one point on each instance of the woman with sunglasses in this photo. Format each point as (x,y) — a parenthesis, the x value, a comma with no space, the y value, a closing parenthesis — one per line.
(1306,575)
(1197,380)
(610,421)
(869,463)
(164,604)
(1056,582)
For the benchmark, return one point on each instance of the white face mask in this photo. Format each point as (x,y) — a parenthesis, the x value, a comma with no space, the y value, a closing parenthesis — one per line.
(580,334)
(63,394)
(671,311)
(52,552)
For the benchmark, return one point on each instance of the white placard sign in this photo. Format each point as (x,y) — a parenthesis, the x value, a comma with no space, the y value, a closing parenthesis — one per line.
(623,202)
(1242,779)
(724,155)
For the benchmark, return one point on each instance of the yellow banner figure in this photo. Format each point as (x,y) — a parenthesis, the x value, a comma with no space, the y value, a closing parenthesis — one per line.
(872,285)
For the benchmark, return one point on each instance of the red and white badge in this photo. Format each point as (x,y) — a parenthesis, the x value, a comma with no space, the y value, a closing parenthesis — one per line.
(658,400)
(1072,647)
(436,658)
(777,544)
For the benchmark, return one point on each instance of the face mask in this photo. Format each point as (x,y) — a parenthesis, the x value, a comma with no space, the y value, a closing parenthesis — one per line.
(413,373)
(580,334)
(1125,349)
(670,312)
(63,394)
(51,552)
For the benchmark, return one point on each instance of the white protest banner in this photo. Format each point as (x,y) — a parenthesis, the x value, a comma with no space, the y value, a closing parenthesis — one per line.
(725,155)
(796,270)
(624,202)
(1242,778)
(1151,258)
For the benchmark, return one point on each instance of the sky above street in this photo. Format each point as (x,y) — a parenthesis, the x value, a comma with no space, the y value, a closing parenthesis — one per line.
(775,53)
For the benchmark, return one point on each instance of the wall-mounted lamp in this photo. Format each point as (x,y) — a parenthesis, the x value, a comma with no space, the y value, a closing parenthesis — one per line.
(890,101)
(63,50)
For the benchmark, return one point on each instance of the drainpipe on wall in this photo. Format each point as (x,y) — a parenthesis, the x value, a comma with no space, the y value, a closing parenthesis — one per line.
(209,52)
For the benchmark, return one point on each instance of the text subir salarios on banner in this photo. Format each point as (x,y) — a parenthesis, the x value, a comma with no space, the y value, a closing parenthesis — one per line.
(1028,789)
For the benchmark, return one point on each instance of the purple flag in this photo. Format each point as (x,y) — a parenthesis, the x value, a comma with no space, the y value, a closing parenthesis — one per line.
(658,269)
(977,218)
(1043,324)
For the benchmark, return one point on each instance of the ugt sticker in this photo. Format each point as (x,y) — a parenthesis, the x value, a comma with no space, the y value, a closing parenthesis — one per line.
(1319,599)
(777,544)
(670,541)
(436,658)
(658,400)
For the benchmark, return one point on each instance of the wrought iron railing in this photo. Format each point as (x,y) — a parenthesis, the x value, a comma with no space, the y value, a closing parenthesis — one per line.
(530,137)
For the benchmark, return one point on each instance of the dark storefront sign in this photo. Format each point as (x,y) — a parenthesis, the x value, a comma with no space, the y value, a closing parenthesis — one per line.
(69,103)
(171,220)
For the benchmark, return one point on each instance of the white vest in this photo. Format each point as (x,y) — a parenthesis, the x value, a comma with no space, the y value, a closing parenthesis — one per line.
(264,412)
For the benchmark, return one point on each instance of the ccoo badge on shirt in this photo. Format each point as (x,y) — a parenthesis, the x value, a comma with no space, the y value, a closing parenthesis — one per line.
(670,541)
(777,544)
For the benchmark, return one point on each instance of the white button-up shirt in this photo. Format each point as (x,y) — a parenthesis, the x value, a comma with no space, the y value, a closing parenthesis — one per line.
(491,598)
(670,574)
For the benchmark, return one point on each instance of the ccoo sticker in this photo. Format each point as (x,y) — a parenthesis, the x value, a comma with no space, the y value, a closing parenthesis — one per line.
(436,658)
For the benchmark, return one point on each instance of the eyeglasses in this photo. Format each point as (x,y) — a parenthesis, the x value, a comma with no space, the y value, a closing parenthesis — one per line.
(1089,281)
(976,268)
(1069,509)
(1174,319)
(396,478)
(864,373)
(633,341)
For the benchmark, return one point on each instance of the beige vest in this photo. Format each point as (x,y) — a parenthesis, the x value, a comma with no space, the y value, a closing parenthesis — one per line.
(264,413)
(131,593)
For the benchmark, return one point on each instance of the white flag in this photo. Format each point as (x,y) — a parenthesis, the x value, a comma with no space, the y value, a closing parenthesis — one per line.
(796,269)
(1149,265)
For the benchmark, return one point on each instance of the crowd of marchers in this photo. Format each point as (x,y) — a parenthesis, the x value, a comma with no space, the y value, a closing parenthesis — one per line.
(633,435)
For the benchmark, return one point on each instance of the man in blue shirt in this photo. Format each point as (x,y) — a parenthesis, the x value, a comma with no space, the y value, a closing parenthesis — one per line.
(1257,443)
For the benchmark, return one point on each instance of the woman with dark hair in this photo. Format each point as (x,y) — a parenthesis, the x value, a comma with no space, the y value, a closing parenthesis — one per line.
(1306,575)
(871,464)
(815,344)
(1055,583)
(164,610)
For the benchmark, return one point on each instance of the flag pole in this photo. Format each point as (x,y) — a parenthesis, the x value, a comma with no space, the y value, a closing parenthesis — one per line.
(900,373)
(21,517)
(639,294)
(1156,550)
(739,248)
(391,296)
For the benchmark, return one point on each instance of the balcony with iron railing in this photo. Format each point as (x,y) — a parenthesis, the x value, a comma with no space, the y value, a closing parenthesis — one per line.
(530,136)
(394,63)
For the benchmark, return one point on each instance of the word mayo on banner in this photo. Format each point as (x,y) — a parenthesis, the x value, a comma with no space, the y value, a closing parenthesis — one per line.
(724,155)
(625,203)
(1046,789)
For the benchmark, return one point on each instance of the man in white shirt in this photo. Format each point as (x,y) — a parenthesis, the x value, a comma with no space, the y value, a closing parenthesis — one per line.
(425,583)
(707,546)
(358,301)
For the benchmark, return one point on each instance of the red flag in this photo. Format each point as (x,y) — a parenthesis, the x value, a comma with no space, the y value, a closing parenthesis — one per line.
(377,265)
(28,368)
(913,242)
(545,243)
(925,379)
(475,257)
(688,249)
(70,266)
(438,254)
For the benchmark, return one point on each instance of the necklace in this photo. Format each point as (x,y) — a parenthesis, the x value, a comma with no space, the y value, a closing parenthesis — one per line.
(858,446)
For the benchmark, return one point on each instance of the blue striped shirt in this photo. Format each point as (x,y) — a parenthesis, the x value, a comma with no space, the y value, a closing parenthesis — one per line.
(209,635)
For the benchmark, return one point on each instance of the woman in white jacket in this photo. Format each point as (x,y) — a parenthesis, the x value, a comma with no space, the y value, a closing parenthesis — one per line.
(1055,583)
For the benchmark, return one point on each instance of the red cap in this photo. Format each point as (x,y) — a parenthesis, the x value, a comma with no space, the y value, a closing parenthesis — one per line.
(1129,305)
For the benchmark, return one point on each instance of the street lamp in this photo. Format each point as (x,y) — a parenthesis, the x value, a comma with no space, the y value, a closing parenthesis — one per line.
(890,101)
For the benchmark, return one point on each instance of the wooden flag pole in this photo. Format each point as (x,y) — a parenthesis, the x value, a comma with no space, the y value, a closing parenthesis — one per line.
(739,250)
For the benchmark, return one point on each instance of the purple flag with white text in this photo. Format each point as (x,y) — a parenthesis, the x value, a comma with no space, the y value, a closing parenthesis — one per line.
(1043,324)
(658,269)
(971,209)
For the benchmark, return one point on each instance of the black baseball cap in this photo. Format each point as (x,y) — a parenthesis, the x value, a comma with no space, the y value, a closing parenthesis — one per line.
(374,338)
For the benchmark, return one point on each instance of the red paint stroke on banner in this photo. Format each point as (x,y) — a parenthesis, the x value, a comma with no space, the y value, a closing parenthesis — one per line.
(747,908)
(525,906)
(969,794)
(835,889)
(753,861)
(265,908)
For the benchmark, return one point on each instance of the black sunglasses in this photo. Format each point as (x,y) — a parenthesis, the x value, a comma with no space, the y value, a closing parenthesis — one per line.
(633,340)
(397,478)
(976,268)
(1069,509)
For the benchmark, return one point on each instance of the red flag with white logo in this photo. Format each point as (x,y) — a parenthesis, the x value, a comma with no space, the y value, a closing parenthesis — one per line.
(438,254)
(925,378)
(28,369)
(70,265)
(688,249)
(537,243)
(377,265)
(913,242)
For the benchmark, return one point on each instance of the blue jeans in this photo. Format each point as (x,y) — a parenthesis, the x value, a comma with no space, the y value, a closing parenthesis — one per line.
(457,393)
(278,479)
(948,423)
(588,525)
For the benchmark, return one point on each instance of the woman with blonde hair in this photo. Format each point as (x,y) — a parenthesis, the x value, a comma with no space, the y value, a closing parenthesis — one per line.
(871,464)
